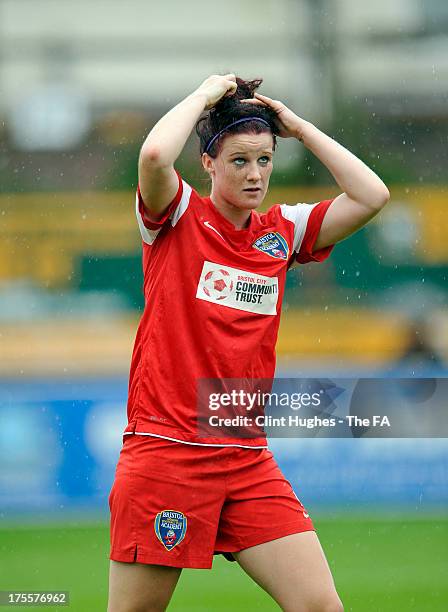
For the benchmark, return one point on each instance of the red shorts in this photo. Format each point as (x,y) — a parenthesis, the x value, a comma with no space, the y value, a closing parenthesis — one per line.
(176,504)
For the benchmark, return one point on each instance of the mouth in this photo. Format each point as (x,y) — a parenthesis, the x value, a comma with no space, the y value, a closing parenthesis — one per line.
(252,189)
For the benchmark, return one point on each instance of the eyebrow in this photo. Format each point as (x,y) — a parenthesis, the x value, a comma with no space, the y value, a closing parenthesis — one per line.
(245,152)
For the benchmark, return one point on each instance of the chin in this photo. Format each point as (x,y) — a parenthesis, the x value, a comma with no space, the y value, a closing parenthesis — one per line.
(253,205)
(249,203)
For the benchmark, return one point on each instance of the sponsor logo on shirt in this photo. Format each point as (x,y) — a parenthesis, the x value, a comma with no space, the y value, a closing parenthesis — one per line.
(238,289)
(170,527)
(272,244)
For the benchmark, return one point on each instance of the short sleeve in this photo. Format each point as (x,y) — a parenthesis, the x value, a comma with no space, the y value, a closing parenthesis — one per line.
(305,253)
(149,228)
(146,219)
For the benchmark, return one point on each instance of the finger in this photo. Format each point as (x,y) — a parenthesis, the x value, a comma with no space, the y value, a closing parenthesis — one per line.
(231,88)
(266,100)
(230,77)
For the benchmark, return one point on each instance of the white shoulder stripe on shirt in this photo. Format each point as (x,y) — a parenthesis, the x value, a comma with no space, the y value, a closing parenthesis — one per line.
(299,215)
(183,204)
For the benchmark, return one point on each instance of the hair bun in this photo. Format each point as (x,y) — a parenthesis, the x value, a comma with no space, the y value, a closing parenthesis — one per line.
(230,109)
(244,91)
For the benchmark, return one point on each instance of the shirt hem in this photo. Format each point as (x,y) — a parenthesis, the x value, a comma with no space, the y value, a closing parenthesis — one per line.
(232,444)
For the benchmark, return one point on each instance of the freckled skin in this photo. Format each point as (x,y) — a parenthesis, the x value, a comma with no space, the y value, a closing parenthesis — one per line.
(243,161)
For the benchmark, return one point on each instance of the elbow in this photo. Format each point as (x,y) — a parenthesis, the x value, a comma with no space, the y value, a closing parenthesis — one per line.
(150,155)
(380,198)
(385,197)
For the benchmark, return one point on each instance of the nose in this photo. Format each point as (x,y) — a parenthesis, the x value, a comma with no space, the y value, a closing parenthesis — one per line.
(254,173)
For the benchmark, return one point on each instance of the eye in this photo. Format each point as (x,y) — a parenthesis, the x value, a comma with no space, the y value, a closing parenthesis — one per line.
(239,161)
(264,160)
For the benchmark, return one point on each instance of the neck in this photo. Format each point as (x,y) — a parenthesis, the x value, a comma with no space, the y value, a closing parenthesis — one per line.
(237,216)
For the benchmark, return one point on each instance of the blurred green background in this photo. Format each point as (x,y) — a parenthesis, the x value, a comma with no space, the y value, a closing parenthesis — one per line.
(386,564)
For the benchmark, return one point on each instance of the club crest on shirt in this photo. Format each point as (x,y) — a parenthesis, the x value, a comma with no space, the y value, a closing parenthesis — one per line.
(170,527)
(273,244)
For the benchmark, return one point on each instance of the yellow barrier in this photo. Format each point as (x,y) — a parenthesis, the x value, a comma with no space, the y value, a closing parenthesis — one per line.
(42,234)
(88,347)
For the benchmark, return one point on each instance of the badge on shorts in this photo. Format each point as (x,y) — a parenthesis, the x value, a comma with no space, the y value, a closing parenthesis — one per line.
(272,244)
(170,527)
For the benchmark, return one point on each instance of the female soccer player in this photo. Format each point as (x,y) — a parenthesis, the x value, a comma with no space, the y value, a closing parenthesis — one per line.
(214,275)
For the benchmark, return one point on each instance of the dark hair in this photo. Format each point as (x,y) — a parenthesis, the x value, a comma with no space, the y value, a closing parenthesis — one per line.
(230,109)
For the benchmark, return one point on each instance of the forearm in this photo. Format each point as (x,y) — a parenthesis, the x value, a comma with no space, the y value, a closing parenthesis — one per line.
(166,140)
(358,181)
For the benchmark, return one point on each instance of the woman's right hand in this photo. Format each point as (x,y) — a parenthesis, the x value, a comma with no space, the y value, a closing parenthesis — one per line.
(215,87)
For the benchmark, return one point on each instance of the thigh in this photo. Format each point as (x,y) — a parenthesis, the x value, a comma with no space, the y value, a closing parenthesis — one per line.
(294,571)
(261,504)
(134,587)
(165,504)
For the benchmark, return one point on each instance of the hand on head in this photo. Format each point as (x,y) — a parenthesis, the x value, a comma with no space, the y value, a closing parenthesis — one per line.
(288,123)
(215,87)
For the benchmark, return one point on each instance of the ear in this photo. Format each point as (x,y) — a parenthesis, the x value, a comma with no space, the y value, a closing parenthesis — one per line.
(208,163)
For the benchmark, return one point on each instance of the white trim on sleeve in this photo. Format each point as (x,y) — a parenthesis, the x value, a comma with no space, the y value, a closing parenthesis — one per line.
(149,235)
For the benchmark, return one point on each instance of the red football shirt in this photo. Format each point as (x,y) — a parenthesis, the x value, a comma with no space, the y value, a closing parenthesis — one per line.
(213,298)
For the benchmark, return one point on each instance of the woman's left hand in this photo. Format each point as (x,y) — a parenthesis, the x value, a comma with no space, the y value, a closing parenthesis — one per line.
(289,124)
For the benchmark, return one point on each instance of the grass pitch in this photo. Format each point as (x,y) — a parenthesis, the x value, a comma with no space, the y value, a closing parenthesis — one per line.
(379,565)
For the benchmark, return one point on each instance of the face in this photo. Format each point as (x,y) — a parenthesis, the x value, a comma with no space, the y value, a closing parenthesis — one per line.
(240,173)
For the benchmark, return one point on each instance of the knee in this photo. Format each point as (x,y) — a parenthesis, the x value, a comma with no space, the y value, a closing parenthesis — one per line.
(320,603)
(332,604)
(137,607)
